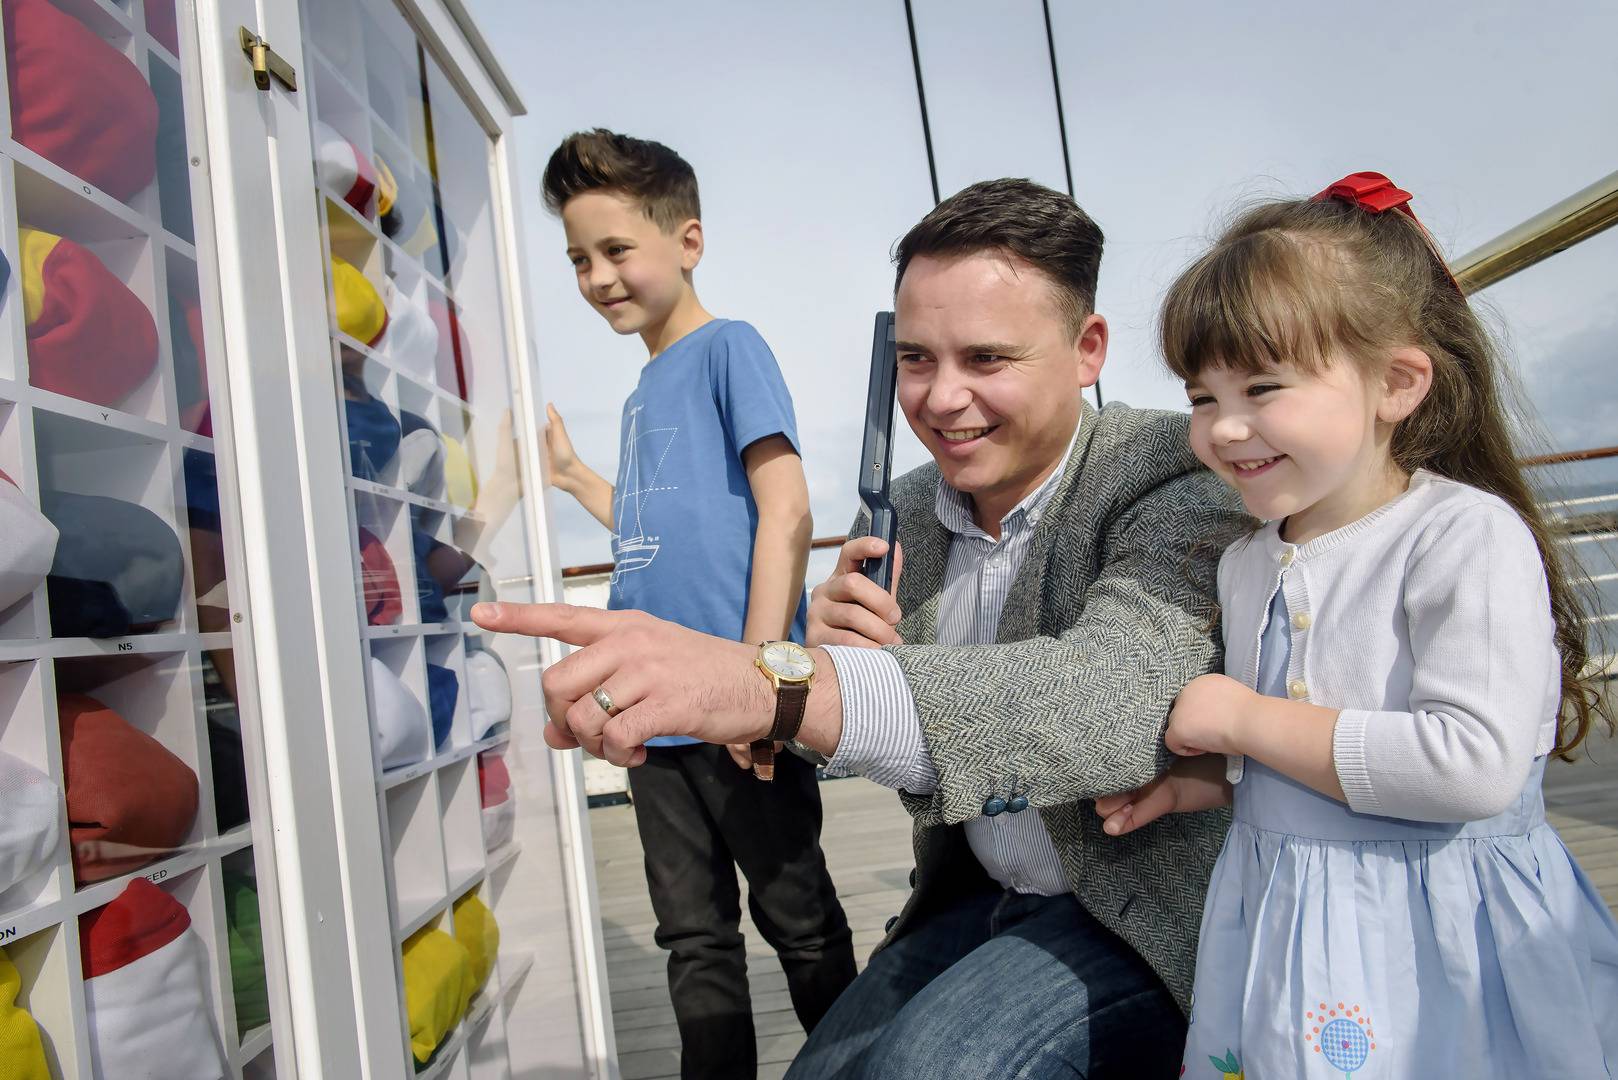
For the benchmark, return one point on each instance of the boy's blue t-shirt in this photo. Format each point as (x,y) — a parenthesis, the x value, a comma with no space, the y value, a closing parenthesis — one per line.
(683,512)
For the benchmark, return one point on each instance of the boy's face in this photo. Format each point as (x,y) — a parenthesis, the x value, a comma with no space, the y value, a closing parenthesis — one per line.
(629,270)
(990,371)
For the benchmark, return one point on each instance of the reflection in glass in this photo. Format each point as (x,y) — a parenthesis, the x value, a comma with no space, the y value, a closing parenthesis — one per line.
(418,322)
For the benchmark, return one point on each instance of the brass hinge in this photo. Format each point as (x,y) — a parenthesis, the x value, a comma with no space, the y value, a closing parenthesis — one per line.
(266,61)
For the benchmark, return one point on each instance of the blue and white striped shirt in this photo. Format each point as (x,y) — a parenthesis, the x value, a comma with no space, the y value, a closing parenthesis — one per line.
(882,738)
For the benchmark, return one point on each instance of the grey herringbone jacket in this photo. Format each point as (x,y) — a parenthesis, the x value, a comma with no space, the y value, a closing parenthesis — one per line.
(1113,611)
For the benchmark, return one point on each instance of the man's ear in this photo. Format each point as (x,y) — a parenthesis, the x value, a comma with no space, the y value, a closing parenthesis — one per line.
(1405,384)
(1090,348)
(690,235)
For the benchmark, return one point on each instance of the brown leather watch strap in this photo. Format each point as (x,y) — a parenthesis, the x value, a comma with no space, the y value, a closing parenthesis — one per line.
(790,702)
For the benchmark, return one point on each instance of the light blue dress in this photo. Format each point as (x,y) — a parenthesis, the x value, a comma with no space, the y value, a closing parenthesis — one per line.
(1339,944)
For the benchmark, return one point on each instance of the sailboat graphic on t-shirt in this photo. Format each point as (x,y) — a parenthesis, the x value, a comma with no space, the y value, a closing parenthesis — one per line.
(632,549)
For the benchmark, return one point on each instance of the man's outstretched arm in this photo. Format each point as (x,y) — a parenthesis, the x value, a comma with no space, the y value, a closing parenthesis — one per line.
(1075,716)
(663,680)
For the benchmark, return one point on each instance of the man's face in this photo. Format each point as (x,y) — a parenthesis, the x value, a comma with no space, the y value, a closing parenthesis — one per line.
(629,270)
(990,372)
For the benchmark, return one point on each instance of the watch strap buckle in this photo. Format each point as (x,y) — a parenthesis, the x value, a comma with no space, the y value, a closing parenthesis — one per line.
(763,759)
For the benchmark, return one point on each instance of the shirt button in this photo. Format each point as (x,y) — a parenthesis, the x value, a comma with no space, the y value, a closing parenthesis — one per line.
(1286,558)
(891,923)
(1301,620)
(1018,804)
(994,806)
(1297,690)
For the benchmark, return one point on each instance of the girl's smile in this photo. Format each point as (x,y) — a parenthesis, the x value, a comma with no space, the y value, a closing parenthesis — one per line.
(1247,470)
(1307,446)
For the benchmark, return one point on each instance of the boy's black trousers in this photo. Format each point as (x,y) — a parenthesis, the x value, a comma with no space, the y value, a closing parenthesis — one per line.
(700,817)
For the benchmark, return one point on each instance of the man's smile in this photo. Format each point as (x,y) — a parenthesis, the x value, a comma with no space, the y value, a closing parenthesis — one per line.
(961,436)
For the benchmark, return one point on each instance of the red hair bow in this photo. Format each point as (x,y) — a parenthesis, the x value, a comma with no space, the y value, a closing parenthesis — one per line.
(1375,193)
(1369,191)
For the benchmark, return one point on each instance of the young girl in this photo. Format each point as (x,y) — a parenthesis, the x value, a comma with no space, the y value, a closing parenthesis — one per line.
(1403,650)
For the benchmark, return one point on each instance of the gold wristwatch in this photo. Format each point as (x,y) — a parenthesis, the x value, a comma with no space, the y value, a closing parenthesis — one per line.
(791,670)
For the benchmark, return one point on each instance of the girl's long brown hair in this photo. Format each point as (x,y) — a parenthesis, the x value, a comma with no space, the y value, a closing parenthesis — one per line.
(1301,282)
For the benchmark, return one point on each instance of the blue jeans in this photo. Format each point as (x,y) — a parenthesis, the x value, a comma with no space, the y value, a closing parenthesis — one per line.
(1001,985)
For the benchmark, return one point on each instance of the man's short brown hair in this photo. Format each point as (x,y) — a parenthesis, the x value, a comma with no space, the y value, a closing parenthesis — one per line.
(648,172)
(1044,228)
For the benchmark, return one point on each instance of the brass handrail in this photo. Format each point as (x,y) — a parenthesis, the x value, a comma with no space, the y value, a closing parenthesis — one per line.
(1577,217)
(1566,456)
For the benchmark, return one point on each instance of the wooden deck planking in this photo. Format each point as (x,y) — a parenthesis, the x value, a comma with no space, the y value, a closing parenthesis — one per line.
(867,842)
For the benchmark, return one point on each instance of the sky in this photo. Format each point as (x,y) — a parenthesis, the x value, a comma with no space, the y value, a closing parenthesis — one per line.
(803,125)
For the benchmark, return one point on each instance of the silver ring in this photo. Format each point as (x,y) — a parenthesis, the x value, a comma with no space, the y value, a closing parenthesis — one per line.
(604,699)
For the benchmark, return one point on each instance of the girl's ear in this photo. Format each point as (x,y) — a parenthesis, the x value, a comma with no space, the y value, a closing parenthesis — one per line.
(1405,384)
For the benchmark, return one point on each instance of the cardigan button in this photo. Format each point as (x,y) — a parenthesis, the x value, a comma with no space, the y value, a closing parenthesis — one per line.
(1286,557)
(1297,690)
(1301,620)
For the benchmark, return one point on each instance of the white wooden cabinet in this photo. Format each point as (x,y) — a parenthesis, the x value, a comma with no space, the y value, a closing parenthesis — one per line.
(336,430)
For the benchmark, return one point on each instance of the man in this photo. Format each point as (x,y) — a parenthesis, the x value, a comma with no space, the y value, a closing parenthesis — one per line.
(1055,594)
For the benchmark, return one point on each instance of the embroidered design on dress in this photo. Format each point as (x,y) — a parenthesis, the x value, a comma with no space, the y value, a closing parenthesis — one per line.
(1343,1036)
(1229,1068)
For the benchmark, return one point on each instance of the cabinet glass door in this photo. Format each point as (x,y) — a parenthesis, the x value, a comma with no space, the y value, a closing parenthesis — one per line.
(424,388)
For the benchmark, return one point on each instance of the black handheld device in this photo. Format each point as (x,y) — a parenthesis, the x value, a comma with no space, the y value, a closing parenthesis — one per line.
(876,454)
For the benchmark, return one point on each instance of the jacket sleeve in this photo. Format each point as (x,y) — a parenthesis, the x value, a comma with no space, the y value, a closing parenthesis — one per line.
(1065,718)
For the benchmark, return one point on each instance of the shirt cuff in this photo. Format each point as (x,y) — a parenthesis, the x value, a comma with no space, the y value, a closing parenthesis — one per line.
(881,731)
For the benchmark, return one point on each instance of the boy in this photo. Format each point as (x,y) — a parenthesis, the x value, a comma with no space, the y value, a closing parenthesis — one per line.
(710,524)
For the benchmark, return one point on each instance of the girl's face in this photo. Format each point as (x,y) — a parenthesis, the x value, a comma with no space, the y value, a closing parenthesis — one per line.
(1305,447)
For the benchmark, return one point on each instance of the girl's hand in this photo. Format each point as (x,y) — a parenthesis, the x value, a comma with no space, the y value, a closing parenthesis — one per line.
(1207,716)
(1196,783)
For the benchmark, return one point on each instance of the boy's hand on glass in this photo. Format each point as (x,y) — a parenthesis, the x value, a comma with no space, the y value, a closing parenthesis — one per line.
(504,477)
(1195,783)
(1207,716)
(849,608)
(560,458)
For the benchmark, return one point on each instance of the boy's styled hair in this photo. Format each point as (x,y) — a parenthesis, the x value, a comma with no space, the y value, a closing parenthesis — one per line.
(1307,282)
(649,172)
(1044,228)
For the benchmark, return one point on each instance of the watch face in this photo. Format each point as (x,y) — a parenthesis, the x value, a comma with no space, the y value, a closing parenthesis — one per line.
(788,660)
